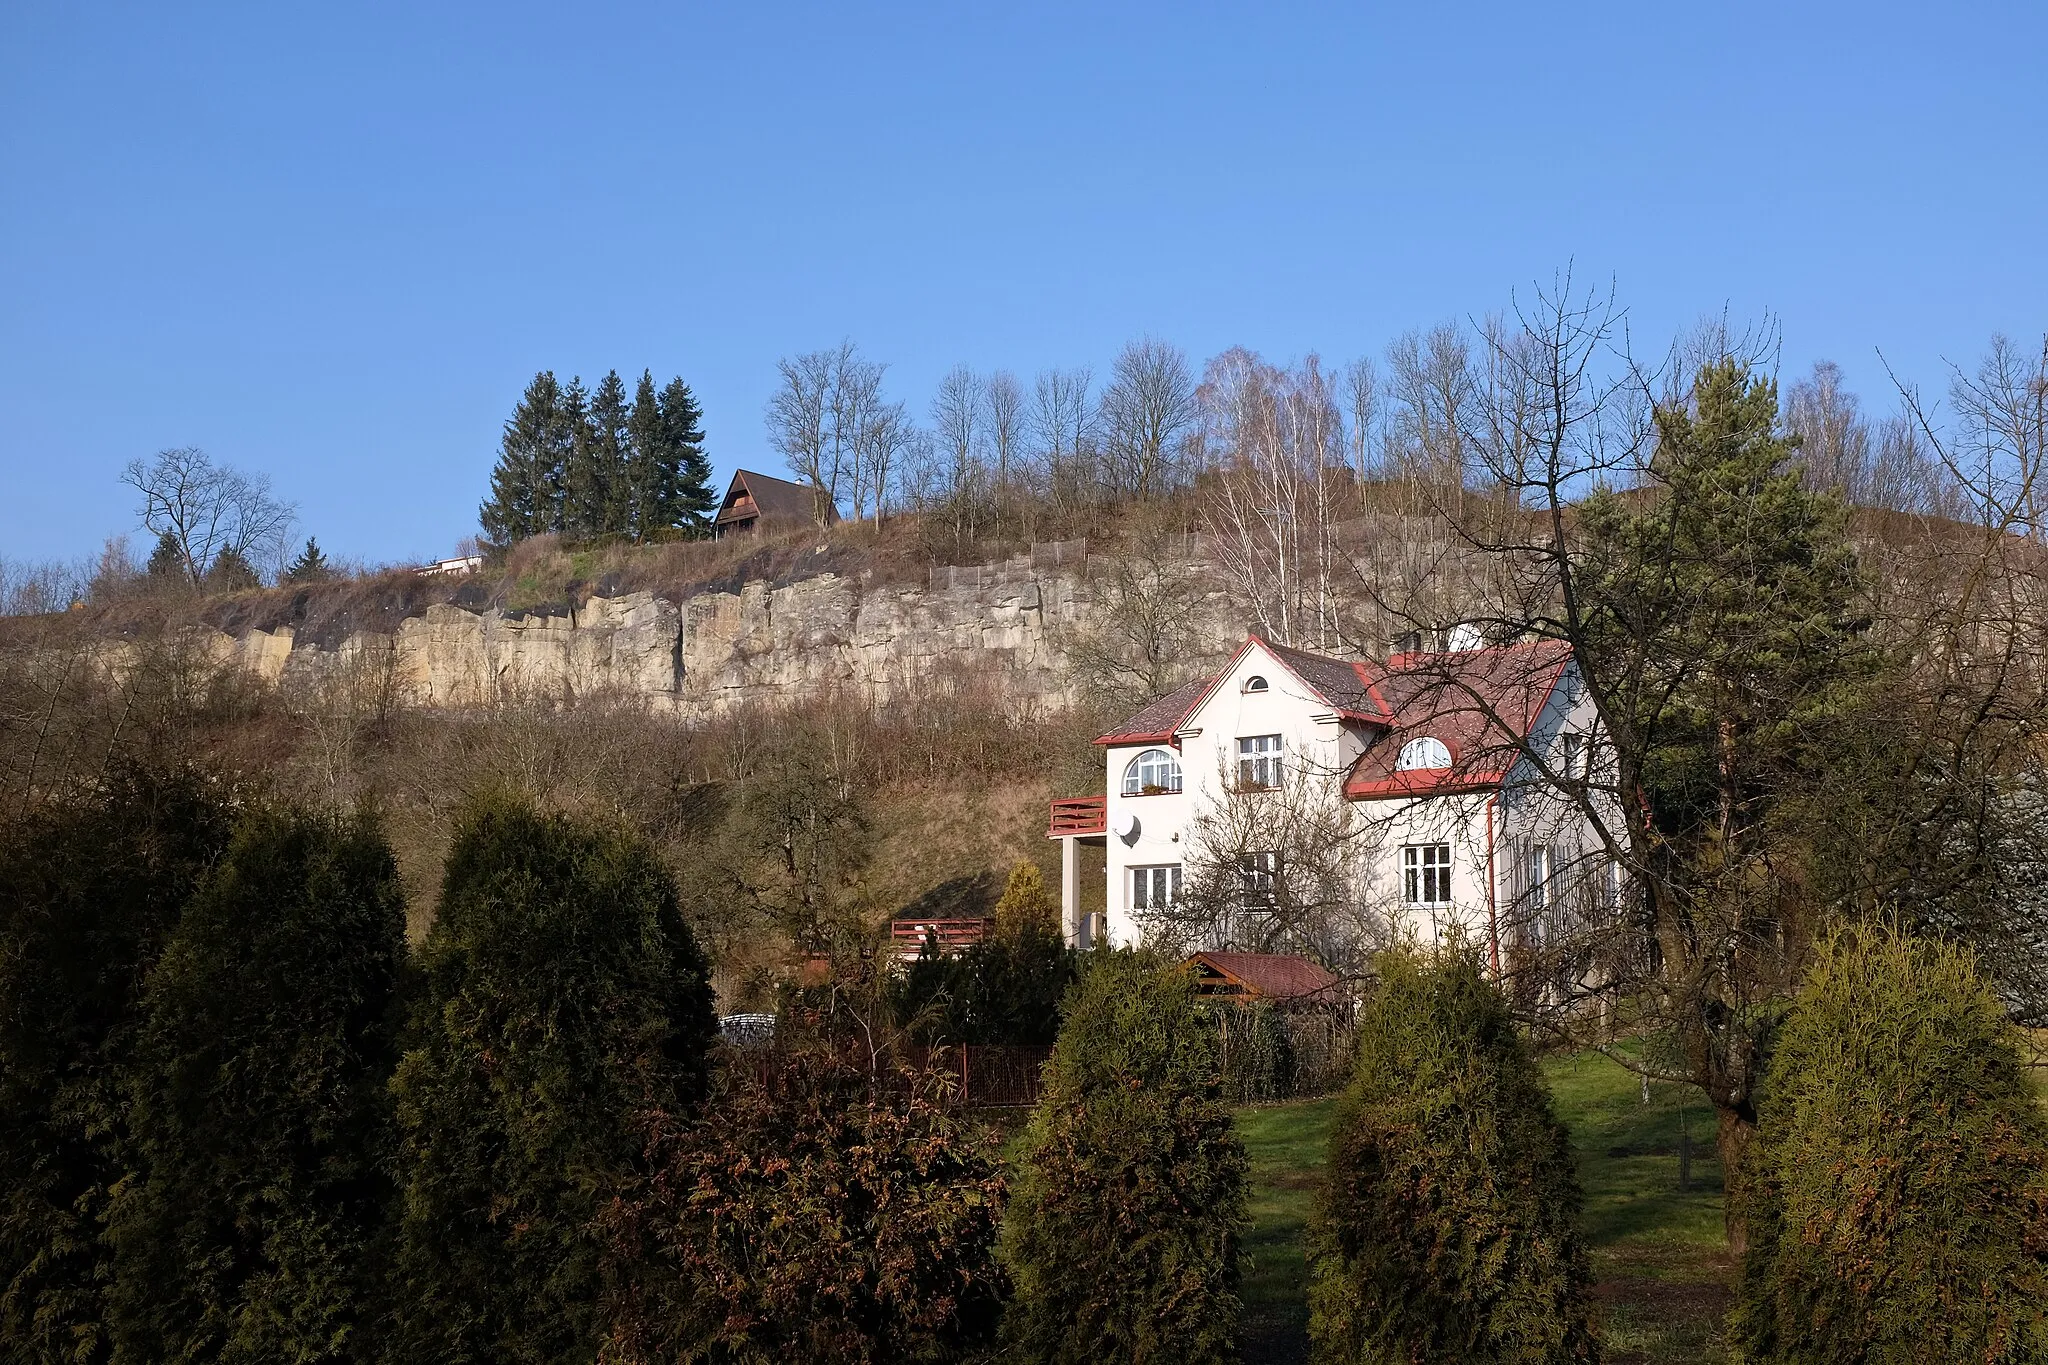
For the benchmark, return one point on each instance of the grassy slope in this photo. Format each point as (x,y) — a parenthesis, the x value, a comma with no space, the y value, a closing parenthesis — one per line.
(1657,1253)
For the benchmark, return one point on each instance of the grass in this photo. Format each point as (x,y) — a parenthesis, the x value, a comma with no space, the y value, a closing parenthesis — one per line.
(1661,1270)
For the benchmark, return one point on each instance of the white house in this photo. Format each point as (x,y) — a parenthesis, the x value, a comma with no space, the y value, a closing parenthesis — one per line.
(1440,792)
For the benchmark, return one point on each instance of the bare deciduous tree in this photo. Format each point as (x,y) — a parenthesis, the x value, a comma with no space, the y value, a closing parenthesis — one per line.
(208,509)
(1148,411)
(824,419)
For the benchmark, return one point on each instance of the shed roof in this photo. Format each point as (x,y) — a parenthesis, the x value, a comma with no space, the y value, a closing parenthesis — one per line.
(1280,977)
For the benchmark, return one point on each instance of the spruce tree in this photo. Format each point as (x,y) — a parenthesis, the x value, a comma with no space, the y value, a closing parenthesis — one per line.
(563,996)
(1449,1225)
(526,484)
(231,572)
(309,567)
(90,888)
(1898,1201)
(689,498)
(1124,1223)
(167,561)
(259,1106)
(648,473)
(595,488)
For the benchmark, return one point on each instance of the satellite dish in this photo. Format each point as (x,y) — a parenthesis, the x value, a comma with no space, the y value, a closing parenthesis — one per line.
(1126,826)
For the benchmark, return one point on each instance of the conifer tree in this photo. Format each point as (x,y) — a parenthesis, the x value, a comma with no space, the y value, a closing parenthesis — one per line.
(258,1105)
(1449,1226)
(90,888)
(690,499)
(563,996)
(592,481)
(167,560)
(649,475)
(1898,1205)
(526,484)
(1026,905)
(1122,1235)
(309,567)
(231,572)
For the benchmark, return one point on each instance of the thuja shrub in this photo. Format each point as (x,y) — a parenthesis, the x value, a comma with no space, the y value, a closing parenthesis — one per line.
(1898,1204)
(563,997)
(91,887)
(817,1212)
(259,1105)
(1125,1217)
(1448,1229)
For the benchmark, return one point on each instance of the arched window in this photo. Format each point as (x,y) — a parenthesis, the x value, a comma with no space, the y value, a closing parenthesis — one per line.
(1255,683)
(1423,753)
(1152,773)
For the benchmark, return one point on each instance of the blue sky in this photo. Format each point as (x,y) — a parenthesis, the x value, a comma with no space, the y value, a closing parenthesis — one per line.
(332,242)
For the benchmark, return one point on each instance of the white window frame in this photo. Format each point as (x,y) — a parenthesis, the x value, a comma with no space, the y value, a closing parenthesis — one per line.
(1426,874)
(1574,755)
(1260,763)
(1134,782)
(1424,753)
(1144,883)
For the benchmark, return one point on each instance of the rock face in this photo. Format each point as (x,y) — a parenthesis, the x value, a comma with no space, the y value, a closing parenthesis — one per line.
(716,651)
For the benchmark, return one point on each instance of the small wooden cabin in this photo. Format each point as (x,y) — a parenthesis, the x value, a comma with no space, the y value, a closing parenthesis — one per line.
(754,500)
(1285,982)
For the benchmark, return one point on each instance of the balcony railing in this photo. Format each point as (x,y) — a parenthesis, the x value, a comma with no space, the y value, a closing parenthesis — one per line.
(1078,815)
(950,936)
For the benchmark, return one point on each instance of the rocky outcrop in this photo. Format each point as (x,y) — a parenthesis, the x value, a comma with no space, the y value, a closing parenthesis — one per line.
(714,651)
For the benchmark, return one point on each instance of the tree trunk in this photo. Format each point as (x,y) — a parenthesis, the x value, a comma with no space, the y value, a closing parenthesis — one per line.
(1732,1136)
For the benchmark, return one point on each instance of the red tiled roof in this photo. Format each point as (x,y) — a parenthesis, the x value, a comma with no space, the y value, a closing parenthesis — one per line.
(1346,685)
(1157,721)
(1479,702)
(1274,976)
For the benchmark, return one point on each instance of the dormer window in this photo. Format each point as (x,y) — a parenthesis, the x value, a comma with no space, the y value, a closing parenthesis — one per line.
(1426,752)
(1255,683)
(1152,773)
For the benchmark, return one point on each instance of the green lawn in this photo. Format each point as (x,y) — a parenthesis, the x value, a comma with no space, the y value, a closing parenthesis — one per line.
(1662,1273)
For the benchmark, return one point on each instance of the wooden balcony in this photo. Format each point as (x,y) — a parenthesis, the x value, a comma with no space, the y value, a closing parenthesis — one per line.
(1078,815)
(907,936)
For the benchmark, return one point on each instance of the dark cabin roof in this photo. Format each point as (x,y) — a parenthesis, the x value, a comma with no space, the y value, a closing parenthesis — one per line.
(773,499)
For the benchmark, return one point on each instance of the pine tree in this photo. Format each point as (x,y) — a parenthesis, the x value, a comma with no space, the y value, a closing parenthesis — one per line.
(259,1108)
(564,996)
(1898,1206)
(90,888)
(1122,1235)
(526,484)
(309,567)
(690,499)
(167,560)
(1449,1226)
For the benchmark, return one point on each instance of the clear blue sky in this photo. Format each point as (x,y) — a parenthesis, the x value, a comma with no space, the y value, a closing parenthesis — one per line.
(332,242)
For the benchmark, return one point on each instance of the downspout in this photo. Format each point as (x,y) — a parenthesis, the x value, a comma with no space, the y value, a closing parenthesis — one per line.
(1492,904)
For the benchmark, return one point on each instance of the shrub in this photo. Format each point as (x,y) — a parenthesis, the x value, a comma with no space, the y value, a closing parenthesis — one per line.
(89,889)
(1448,1228)
(563,996)
(810,1216)
(1123,1230)
(1003,990)
(1026,906)
(1898,1209)
(259,1106)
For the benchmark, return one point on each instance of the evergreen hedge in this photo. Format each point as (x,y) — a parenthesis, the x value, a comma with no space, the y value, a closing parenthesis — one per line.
(1448,1230)
(259,1106)
(1898,1209)
(1129,1202)
(90,888)
(564,999)
(812,1215)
